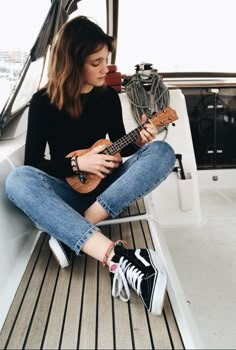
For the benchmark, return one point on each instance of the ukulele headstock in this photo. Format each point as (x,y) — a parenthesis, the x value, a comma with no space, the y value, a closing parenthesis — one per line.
(164,117)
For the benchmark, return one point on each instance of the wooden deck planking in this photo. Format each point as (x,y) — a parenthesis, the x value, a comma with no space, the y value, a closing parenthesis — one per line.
(39,321)
(19,297)
(123,332)
(58,310)
(72,320)
(73,308)
(104,318)
(88,325)
(29,303)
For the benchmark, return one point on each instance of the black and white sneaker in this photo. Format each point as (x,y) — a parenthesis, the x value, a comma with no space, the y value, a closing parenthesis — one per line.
(144,272)
(61,252)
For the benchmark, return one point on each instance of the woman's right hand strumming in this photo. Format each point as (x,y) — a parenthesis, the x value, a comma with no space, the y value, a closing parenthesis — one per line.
(98,163)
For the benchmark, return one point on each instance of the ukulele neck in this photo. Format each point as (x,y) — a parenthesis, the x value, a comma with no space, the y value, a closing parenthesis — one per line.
(124,141)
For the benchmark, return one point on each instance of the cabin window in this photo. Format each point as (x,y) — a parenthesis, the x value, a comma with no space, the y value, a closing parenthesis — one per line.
(16,45)
(19,24)
(177,36)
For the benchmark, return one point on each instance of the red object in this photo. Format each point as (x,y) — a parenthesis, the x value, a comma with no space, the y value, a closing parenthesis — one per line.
(112,68)
(113,78)
(117,87)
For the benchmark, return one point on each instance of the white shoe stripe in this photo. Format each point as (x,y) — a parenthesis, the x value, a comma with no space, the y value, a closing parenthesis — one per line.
(137,254)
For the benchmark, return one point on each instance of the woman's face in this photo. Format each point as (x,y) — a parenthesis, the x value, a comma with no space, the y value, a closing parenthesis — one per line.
(95,70)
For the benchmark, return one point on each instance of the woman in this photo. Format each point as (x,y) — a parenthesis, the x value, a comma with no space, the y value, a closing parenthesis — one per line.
(72,112)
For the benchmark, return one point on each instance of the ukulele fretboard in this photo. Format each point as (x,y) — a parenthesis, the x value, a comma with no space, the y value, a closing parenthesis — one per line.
(124,141)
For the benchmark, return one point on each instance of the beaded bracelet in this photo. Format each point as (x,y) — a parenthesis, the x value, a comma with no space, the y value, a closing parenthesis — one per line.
(122,243)
(75,167)
(108,252)
(81,174)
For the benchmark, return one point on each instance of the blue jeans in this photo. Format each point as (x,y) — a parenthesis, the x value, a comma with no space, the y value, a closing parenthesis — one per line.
(58,209)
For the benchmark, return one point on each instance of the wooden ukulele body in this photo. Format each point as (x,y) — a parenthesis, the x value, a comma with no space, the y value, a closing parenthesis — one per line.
(92,180)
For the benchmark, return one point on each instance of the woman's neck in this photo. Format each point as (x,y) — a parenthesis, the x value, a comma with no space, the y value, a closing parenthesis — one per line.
(86,89)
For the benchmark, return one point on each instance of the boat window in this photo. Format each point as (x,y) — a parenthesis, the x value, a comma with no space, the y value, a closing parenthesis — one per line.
(177,36)
(33,80)
(20,23)
(15,50)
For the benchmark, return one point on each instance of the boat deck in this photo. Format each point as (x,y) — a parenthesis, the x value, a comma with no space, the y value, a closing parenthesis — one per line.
(73,308)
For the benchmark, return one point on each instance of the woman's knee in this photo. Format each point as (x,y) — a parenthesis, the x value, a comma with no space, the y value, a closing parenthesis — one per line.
(17,177)
(162,149)
(164,155)
(164,158)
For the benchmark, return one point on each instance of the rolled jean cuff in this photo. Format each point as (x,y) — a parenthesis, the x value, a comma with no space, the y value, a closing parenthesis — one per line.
(106,207)
(81,242)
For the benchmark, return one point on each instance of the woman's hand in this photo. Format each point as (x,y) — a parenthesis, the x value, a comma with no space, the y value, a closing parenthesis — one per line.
(99,164)
(147,134)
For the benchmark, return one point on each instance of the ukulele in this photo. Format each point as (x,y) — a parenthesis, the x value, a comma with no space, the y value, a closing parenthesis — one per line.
(88,181)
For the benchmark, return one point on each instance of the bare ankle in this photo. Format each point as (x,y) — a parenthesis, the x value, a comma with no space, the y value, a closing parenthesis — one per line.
(111,252)
(95,213)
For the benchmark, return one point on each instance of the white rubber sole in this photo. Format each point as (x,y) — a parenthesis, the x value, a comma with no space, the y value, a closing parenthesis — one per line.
(158,294)
(58,253)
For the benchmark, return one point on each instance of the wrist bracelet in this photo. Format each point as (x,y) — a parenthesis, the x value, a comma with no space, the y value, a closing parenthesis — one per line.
(75,167)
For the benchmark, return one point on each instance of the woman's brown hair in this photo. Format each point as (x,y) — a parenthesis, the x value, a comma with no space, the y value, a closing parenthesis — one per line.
(77,39)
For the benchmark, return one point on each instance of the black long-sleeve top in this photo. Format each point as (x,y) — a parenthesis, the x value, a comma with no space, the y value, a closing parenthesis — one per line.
(101,117)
